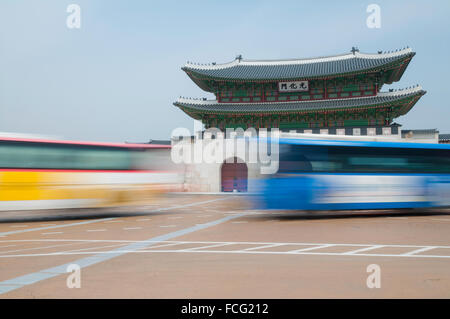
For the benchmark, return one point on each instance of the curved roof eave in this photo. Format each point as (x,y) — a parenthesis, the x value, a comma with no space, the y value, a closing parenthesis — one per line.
(201,105)
(248,70)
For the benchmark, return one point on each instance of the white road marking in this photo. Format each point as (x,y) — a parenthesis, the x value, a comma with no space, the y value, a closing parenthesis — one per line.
(54,227)
(362,249)
(48,225)
(441,219)
(285,253)
(52,233)
(17,226)
(114,221)
(212,242)
(36,248)
(257,248)
(131,228)
(143,219)
(205,247)
(166,245)
(168,226)
(127,251)
(97,247)
(94,230)
(262,247)
(8,246)
(175,217)
(240,222)
(31,278)
(310,248)
(418,251)
(72,240)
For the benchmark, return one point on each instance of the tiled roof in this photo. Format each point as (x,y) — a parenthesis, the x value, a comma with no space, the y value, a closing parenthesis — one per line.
(203,105)
(444,137)
(297,69)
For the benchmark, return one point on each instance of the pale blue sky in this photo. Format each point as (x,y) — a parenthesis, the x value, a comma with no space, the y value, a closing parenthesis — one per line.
(116,78)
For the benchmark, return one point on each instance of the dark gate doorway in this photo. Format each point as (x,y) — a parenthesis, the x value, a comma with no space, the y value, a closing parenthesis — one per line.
(234,176)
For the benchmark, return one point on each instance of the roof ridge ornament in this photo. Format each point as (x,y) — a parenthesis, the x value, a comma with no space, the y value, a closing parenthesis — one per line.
(354,50)
(239,57)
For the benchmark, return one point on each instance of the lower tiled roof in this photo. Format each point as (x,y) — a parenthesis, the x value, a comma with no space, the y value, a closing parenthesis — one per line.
(212,106)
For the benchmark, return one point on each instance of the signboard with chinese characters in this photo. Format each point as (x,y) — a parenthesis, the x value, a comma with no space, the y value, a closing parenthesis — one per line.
(295,86)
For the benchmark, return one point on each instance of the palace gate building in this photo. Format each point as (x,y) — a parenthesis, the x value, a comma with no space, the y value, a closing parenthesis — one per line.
(337,95)
(332,95)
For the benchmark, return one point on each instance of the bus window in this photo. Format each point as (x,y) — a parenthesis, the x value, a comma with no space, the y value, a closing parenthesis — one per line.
(153,159)
(381,163)
(49,156)
(293,160)
(34,156)
(348,159)
(102,159)
(307,158)
(388,159)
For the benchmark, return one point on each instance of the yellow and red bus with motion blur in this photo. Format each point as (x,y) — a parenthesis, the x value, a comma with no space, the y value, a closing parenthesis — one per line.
(50,174)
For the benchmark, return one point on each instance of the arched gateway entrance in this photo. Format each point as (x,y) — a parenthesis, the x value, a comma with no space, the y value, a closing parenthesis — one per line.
(234,176)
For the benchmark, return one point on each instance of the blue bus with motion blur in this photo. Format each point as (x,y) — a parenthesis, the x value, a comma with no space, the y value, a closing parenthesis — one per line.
(356,175)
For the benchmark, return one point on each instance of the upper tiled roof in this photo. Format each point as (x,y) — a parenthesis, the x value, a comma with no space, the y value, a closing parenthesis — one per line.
(213,106)
(298,69)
